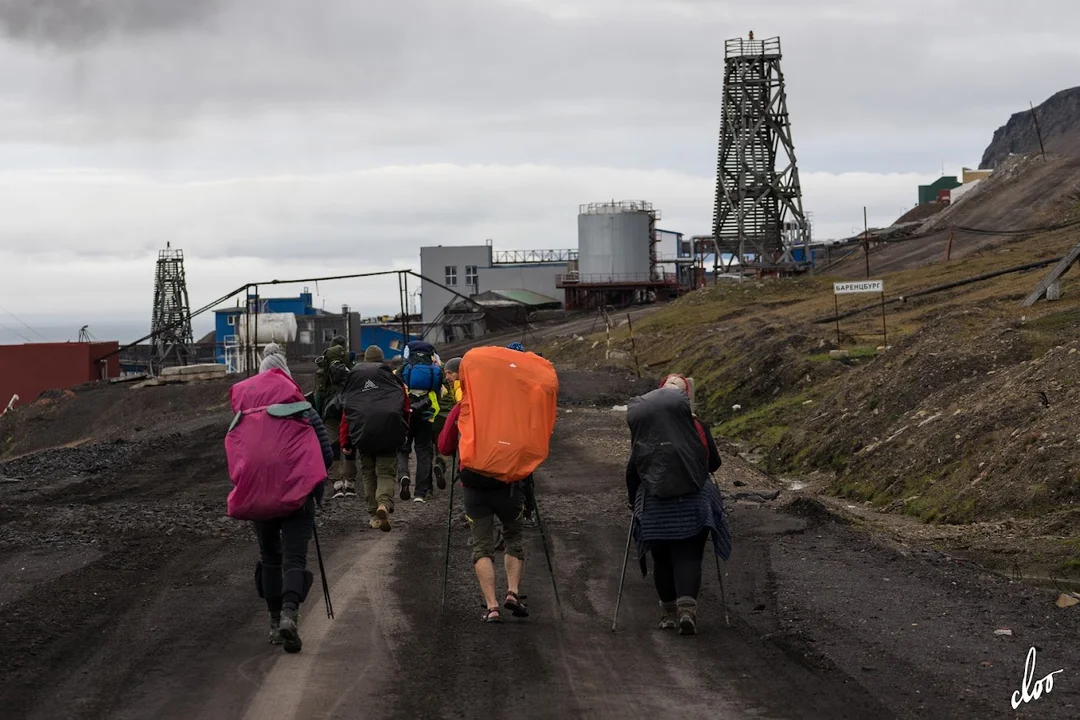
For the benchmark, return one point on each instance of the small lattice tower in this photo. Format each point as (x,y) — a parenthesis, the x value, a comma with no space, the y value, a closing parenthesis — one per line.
(758,218)
(171,324)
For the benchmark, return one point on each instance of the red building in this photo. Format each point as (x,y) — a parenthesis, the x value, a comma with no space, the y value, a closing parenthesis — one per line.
(27,370)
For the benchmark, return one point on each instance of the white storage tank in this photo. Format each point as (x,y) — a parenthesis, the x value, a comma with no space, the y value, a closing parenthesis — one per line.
(271,327)
(613,241)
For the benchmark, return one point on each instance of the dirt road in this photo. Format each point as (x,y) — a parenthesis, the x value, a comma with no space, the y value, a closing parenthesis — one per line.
(127,595)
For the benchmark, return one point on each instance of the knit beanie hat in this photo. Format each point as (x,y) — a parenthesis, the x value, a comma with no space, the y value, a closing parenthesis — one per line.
(452,364)
(516,346)
(272,349)
(373,353)
(277,360)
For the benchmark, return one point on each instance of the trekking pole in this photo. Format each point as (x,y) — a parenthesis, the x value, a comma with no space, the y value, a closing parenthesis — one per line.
(723,597)
(322,574)
(449,526)
(719,573)
(622,576)
(547,554)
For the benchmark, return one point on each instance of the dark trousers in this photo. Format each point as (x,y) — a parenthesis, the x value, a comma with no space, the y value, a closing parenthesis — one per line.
(677,567)
(420,438)
(283,544)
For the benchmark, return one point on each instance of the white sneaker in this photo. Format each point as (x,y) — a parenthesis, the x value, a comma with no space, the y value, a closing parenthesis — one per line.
(419,499)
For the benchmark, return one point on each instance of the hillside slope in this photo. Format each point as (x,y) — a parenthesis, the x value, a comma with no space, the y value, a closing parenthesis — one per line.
(1025,192)
(1059,121)
(968,419)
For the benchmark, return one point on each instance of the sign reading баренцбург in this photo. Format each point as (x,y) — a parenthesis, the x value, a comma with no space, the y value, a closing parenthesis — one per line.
(864,286)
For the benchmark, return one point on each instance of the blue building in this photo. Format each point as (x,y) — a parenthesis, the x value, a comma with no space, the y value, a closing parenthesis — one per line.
(225,319)
(315,328)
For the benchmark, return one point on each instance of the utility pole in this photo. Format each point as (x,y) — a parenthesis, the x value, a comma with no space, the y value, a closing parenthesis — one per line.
(1038,132)
(866,242)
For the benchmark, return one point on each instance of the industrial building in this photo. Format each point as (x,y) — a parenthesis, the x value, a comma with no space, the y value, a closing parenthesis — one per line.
(493,311)
(622,258)
(453,272)
(28,370)
(303,330)
(938,191)
(618,259)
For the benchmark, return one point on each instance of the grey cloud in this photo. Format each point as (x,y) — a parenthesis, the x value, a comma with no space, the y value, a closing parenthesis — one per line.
(498,66)
(78,24)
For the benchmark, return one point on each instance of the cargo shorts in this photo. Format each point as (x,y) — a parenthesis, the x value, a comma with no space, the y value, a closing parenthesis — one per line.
(482,507)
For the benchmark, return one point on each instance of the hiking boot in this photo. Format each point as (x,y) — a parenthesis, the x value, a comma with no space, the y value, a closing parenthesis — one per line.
(405,482)
(350,489)
(667,615)
(420,499)
(339,489)
(440,477)
(382,518)
(290,632)
(375,523)
(687,609)
(275,629)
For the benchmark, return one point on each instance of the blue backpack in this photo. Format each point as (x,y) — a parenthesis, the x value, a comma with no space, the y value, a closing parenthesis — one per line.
(420,371)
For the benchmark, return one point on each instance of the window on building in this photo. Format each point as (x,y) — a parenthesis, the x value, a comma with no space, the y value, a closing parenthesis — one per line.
(451,275)
(328,334)
(230,320)
(470,275)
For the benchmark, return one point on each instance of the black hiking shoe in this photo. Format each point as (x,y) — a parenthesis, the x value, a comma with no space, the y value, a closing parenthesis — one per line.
(440,477)
(405,482)
(290,633)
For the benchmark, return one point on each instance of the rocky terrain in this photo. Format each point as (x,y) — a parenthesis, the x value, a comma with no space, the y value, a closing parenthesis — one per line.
(1059,122)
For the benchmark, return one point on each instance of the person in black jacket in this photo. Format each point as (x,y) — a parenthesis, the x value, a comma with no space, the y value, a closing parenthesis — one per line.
(282,576)
(674,531)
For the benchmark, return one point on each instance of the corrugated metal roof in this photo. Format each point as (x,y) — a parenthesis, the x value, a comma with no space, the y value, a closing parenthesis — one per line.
(527,297)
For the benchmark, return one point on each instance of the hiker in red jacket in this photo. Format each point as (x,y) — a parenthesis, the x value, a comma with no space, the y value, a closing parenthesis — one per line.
(485,499)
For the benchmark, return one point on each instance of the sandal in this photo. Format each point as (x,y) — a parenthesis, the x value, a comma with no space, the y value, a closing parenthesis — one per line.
(514,605)
(491,615)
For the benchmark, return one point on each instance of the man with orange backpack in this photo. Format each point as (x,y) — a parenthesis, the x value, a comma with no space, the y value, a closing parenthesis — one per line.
(506,396)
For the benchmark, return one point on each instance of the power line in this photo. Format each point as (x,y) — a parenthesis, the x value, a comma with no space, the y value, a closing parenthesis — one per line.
(15,332)
(24,324)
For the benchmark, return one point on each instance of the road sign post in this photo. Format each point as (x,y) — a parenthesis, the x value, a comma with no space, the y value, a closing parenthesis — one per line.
(859,287)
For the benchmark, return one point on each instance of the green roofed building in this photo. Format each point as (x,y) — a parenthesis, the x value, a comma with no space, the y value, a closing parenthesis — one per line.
(929,193)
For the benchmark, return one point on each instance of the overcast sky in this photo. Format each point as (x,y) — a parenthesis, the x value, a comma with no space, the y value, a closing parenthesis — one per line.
(285,138)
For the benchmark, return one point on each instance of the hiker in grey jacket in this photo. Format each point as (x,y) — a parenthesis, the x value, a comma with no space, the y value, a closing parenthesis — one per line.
(674,530)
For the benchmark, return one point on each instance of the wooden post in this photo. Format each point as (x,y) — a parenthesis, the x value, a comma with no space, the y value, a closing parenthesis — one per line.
(633,345)
(884,331)
(836,307)
(607,331)
(948,248)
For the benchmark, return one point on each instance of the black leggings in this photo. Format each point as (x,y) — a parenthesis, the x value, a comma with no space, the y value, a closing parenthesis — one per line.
(283,545)
(677,567)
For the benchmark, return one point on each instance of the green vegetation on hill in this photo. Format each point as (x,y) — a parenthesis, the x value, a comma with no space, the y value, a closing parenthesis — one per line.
(968,416)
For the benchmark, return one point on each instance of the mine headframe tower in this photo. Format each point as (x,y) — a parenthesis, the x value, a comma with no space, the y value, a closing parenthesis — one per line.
(758,221)
(172,337)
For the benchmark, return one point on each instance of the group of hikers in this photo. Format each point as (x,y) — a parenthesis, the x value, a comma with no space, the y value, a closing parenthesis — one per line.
(485,420)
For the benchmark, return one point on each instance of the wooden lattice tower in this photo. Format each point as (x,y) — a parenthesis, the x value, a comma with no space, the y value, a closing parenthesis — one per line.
(758,218)
(171,324)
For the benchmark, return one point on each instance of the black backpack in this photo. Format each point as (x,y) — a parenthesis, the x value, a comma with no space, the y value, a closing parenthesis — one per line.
(374,400)
(666,448)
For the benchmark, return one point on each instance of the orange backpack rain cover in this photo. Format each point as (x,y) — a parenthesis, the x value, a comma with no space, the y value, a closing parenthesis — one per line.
(508,410)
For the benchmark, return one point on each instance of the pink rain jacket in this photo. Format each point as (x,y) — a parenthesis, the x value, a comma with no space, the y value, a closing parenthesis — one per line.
(275,462)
